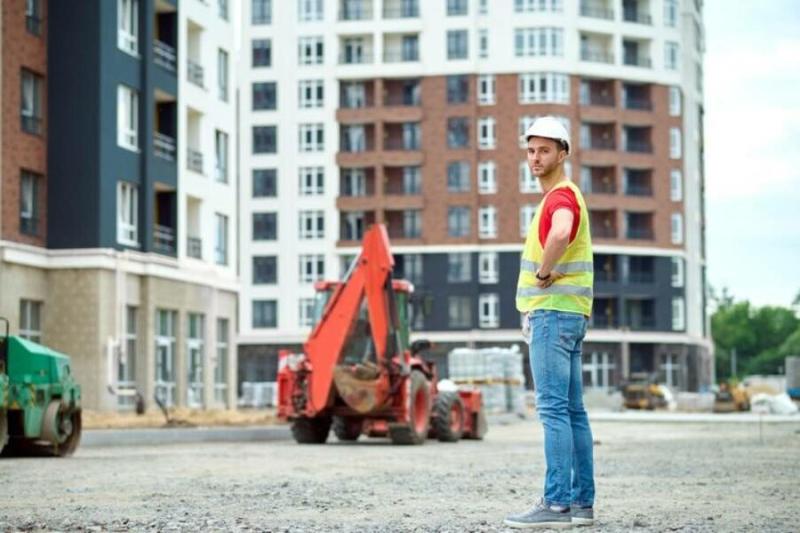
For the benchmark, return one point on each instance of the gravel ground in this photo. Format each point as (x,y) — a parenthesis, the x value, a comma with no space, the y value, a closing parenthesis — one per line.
(650,477)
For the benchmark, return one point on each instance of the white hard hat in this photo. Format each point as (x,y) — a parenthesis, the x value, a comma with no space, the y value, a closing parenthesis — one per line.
(549,128)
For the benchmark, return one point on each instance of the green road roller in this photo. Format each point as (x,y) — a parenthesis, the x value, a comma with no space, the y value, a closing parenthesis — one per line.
(40,402)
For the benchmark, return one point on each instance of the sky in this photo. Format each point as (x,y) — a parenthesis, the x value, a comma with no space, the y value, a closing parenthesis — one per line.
(752,140)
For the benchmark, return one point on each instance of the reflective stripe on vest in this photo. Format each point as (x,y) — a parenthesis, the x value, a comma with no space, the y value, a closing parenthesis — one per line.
(570,290)
(571,267)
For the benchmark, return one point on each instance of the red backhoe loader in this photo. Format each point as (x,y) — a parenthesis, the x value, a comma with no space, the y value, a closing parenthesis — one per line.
(359,375)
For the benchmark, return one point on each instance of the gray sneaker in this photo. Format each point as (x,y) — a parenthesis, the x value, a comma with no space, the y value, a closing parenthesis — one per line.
(540,516)
(582,516)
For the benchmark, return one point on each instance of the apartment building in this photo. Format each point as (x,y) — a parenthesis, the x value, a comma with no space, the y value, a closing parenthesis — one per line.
(119,194)
(408,113)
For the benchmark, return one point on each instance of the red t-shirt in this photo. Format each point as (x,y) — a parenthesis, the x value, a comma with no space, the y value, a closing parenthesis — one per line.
(560,198)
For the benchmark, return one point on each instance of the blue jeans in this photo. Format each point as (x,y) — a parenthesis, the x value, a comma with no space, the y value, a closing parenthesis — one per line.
(557,375)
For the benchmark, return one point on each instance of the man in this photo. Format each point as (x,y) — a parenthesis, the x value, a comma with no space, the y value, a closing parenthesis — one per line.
(554,292)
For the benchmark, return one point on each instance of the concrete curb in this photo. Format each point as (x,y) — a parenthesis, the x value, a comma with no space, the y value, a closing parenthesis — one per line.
(155,436)
(731,418)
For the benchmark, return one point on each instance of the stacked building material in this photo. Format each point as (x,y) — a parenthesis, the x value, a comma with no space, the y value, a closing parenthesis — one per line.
(497,372)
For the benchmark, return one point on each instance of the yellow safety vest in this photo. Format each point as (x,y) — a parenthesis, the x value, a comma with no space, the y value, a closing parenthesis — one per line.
(573,292)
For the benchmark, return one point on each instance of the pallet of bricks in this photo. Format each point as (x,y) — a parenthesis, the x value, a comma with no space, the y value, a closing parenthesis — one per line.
(497,372)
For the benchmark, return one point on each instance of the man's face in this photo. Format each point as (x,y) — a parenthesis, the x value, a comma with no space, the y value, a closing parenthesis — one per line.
(544,155)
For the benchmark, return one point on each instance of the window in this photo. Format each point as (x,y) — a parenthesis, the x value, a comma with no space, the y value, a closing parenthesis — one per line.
(457,47)
(412,267)
(674,101)
(677,228)
(195,354)
(412,180)
(222,74)
(30,320)
(127,214)
(265,139)
(306,315)
(262,52)
(678,314)
(459,267)
(458,176)
(354,95)
(677,272)
(354,138)
(529,42)
(456,7)
(165,355)
(457,89)
(486,89)
(29,203)
(489,310)
(526,214)
(459,311)
(486,137)
(128,26)
(309,10)
(221,362)
(221,153)
(675,143)
(483,7)
(483,43)
(354,182)
(261,12)
(128,118)
(671,13)
(265,182)
(312,224)
(411,136)
(458,221)
(312,94)
(265,226)
(311,50)
(488,267)
(265,270)
(265,314)
(531,6)
(353,226)
(265,95)
(223,9)
(412,223)
(312,268)
(671,57)
(312,137)
(33,16)
(458,132)
(528,183)
(312,181)
(31,102)
(487,177)
(126,361)
(221,239)
(675,185)
(541,87)
(487,222)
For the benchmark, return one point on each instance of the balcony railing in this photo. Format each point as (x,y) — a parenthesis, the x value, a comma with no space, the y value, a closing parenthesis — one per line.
(603,232)
(600,187)
(597,56)
(31,124)
(400,55)
(194,160)
(596,11)
(598,100)
(164,55)
(641,147)
(638,190)
(600,144)
(602,321)
(400,10)
(641,276)
(639,322)
(363,58)
(194,247)
(195,73)
(362,12)
(164,239)
(633,15)
(638,61)
(640,233)
(164,146)
(402,144)
(643,104)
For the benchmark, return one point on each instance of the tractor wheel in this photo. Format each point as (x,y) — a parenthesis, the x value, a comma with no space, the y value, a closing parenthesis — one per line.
(448,417)
(347,429)
(480,426)
(62,428)
(311,430)
(3,430)
(415,431)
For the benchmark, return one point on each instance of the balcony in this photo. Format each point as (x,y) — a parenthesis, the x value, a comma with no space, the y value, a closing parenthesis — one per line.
(164,56)
(357,182)
(402,92)
(598,180)
(402,136)
(400,48)
(393,9)
(603,223)
(194,160)
(636,139)
(636,96)
(597,136)
(353,224)
(641,269)
(638,182)
(164,146)
(597,93)
(357,138)
(636,53)
(195,73)
(604,313)
(31,123)
(406,224)
(355,10)
(402,181)
(356,94)
(640,313)
(597,9)
(194,247)
(356,50)
(605,268)
(639,226)
(634,11)
(164,239)
(597,55)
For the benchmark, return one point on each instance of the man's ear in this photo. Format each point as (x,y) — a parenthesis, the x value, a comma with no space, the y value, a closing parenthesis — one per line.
(562,155)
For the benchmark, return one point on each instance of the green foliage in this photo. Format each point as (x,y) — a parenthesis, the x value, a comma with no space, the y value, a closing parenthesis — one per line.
(761,336)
